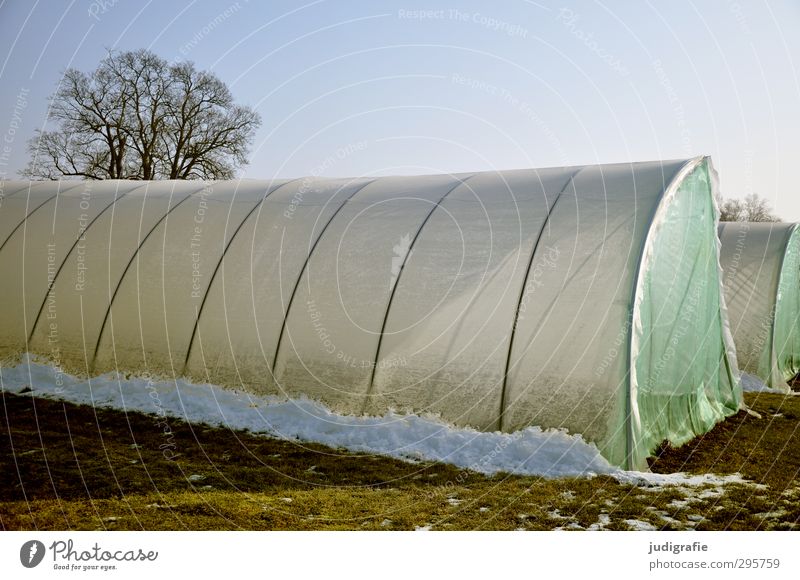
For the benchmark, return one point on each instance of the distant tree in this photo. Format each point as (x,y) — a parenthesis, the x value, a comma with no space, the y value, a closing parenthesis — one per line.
(750,209)
(139,117)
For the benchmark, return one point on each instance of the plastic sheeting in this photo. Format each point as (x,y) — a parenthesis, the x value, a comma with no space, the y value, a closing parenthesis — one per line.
(552,297)
(761,262)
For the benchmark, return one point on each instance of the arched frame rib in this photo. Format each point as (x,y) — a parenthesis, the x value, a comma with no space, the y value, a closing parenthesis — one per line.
(302,271)
(33,211)
(397,283)
(69,253)
(128,266)
(219,263)
(521,297)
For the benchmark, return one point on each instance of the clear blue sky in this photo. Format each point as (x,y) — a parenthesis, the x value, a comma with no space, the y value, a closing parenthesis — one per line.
(353,88)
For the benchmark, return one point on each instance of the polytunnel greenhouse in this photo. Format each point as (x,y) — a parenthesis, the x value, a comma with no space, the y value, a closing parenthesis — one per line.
(584,298)
(761,263)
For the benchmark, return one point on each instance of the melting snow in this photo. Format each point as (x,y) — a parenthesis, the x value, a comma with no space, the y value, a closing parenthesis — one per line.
(603,520)
(752,384)
(640,525)
(532,451)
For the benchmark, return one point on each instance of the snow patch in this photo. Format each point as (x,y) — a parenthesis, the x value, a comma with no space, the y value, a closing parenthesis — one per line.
(641,526)
(603,521)
(774,514)
(752,384)
(532,451)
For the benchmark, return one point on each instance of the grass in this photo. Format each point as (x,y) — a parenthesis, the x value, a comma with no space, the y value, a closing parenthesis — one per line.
(66,466)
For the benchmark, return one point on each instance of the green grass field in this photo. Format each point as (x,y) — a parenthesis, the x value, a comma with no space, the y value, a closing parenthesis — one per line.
(65,466)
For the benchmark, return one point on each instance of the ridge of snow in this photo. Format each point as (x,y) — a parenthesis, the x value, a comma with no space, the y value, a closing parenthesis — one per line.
(531,451)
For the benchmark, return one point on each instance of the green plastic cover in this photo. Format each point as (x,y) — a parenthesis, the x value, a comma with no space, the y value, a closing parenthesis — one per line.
(684,377)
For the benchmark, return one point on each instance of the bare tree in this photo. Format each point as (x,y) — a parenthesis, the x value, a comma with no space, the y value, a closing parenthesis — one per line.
(730,210)
(750,209)
(138,117)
